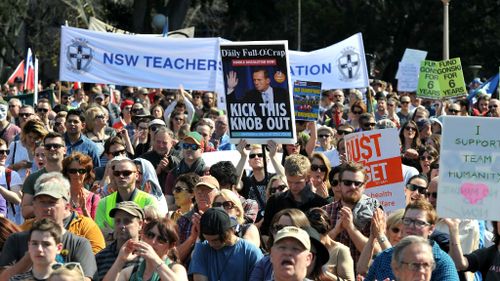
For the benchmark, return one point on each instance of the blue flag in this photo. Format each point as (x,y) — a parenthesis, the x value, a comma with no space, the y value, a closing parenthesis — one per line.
(488,87)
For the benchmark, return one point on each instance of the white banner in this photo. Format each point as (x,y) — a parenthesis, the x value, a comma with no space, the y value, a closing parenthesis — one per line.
(98,25)
(340,66)
(146,61)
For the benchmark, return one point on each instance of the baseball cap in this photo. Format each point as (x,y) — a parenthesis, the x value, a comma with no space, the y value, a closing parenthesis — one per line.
(422,123)
(215,221)
(325,129)
(194,136)
(208,181)
(296,233)
(156,122)
(129,207)
(53,189)
(321,252)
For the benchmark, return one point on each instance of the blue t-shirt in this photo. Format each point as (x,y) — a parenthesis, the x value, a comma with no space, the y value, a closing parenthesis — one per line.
(227,264)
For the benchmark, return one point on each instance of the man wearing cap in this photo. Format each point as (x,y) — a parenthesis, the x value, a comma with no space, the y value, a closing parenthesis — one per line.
(124,178)
(222,256)
(161,155)
(191,162)
(51,200)
(291,254)
(74,138)
(128,218)
(188,224)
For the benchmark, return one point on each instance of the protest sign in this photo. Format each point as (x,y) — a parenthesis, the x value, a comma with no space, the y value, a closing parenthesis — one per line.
(306,97)
(258,99)
(339,66)
(111,58)
(408,76)
(441,80)
(469,169)
(378,151)
(98,25)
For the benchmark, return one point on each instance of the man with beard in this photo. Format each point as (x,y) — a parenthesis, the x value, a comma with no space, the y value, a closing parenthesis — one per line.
(351,215)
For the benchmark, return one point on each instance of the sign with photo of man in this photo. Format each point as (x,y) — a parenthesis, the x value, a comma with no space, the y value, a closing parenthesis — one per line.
(258,91)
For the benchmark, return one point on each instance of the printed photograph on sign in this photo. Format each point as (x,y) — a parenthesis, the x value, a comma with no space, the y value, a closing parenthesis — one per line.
(258,100)
(378,151)
(306,98)
(469,169)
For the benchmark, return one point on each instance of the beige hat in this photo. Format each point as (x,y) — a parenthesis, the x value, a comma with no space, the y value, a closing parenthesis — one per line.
(208,181)
(129,207)
(294,232)
(326,129)
(53,189)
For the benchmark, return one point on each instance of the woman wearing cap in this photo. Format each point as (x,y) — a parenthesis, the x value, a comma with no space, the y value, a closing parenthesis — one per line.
(410,143)
(340,263)
(157,248)
(231,204)
(97,130)
(79,170)
(320,168)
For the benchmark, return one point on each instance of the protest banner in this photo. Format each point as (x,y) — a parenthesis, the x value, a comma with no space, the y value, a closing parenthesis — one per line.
(258,91)
(378,151)
(408,77)
(306,97)
(469,169)
(111,58)
(339,66)
(98,25)
(441,80)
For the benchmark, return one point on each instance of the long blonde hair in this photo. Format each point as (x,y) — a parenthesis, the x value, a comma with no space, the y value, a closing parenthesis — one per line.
(231,196)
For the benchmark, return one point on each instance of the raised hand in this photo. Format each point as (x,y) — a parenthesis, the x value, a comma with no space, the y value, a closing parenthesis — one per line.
(232,81)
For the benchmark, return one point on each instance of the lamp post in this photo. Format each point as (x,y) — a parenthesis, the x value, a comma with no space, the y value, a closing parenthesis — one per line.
(446,30)
(299,23)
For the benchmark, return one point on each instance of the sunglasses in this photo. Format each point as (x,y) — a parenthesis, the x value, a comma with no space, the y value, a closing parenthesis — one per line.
(44,110)
(253,155)
(154,128)
(315,167)
(5,152)
(413,187)
(395,230)
(124,173)
(50,146)
(151,235)
(350,183)
(228,205)
(357,112)
(79,171)
(191,146)
(371,125)
(334,182)
(432,194)
(453,110)
(12,105)
(424,158)
(118,152)
(410,129)
(324,136)
(405,102)
(25,115)
(179,189)
(281,187)
(69,266)
(342,132)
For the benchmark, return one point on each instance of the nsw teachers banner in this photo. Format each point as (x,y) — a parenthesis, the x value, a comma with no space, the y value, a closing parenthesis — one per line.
(469,169)
(258,91)
(146,61)
(378,151)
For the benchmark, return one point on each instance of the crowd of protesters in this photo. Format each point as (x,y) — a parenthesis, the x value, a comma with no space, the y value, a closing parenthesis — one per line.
(110,183)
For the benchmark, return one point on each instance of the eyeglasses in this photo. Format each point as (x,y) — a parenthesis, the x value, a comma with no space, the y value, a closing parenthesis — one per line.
(191,146)
(55,146)
(253,155)
(453,111)
(322,168)
(432,194)
(228,205)
(25,115)
(69,265)
(79,171)
(151,236)
(179,189)
(416,223)
(124,173)
(334,182)
(395,229)
(118,152)
(492,106)
(424,158)
(324,136)
(350,183)
(410,129)
(342,132)
(416,266)
(413,187)
(4,152)
(281,188)
(100,117)
(44,110)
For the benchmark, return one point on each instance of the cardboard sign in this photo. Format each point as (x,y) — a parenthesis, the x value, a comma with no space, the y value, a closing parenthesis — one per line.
(408,70)
(441,80)
(306,97)
(469,169)
(258,92)
(378,151)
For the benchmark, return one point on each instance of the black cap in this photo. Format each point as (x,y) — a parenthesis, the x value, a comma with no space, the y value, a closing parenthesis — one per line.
(321,252)
(215,221)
